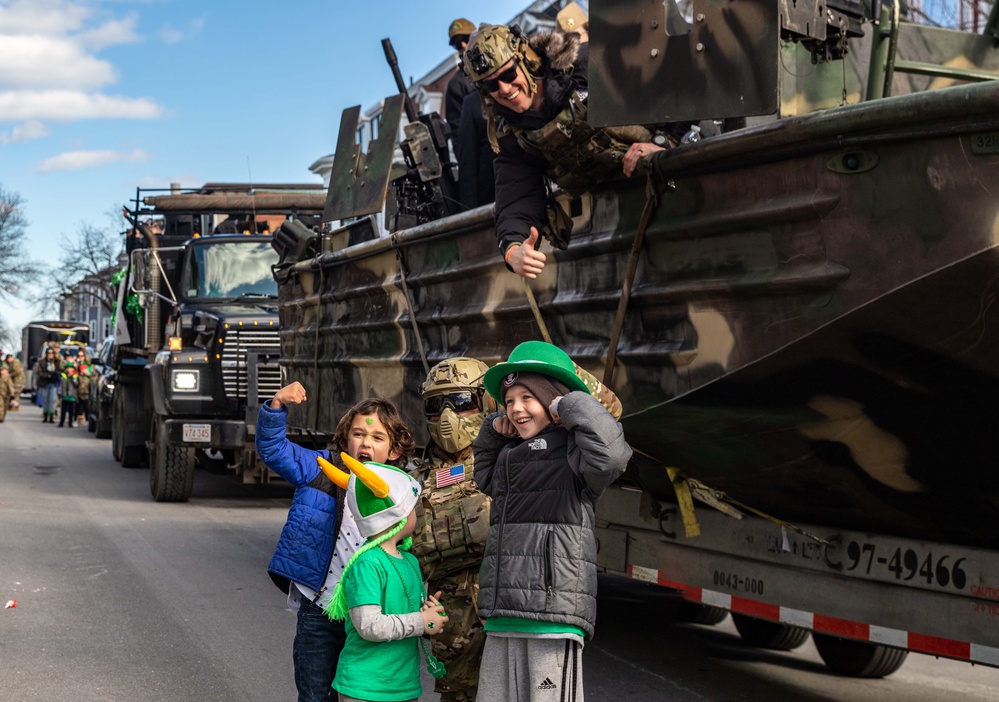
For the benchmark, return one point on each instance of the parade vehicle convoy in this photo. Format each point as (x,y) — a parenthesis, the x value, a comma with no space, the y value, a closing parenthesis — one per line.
(38,334)
(195,345)
(803,336)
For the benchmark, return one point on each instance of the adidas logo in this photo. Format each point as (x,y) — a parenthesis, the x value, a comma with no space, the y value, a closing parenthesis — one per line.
(547,684)
(538,445)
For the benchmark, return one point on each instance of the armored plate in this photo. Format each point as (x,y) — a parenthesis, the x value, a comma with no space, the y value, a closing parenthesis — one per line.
(649,65)
(359,181)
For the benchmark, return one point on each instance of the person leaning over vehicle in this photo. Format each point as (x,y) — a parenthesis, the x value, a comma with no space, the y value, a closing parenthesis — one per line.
(534,97)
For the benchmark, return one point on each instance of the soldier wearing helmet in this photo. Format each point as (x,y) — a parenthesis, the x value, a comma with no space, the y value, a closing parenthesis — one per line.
(459,86)
(534,95)
(453,518)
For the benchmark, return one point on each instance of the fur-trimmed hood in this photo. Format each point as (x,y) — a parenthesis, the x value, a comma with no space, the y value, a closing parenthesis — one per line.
(559,48)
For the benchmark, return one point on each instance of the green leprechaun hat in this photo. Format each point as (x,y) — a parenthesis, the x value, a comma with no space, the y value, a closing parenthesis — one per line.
(533,357)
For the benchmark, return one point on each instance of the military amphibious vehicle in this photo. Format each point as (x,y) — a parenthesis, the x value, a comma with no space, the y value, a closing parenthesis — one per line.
(804,336)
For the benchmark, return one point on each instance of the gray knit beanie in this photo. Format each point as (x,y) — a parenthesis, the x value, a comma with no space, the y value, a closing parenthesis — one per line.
(543,387)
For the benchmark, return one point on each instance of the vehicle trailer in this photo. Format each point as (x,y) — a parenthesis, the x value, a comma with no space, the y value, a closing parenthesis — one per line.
(802,336)
(196,337)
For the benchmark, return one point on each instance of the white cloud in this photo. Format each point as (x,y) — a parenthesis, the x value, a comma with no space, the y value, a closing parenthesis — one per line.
(24,132)
(34,61)
(71,105)
(170,35)
(111,33)
(79,160)
(53,17)
(50,68)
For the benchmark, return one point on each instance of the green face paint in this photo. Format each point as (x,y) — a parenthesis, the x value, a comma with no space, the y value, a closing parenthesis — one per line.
(369,421)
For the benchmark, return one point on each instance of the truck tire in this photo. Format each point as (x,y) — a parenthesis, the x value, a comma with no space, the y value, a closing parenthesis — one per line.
(171,468)
(771,635)
(117,431)
(128,402)
(102,430)
(696,613)
(858,659)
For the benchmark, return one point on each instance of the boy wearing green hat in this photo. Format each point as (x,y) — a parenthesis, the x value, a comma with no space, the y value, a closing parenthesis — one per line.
(381,593)
(545,462)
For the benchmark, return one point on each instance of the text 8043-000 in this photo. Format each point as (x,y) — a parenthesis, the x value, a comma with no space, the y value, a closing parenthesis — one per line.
(739,583)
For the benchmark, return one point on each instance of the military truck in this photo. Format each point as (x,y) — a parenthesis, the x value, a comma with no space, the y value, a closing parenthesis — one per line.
(196,332)
(801,327)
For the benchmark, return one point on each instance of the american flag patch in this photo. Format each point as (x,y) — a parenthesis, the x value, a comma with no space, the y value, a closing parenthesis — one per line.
(449,476)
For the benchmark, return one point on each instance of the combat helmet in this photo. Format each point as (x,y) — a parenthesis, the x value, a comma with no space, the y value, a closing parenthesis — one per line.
(490,48)
(453,386)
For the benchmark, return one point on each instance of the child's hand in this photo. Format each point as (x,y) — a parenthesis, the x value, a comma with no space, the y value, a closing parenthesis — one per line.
(292,394)
(504,426)
(434,616)
(553,410)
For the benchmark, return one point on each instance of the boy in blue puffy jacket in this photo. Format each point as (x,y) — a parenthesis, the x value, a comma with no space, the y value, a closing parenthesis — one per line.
(320,534)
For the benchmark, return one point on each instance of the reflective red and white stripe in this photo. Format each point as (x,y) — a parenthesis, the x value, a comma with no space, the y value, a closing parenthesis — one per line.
(921,643)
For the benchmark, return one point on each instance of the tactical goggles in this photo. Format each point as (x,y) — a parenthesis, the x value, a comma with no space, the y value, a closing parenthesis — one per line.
(458,401)
(491,85)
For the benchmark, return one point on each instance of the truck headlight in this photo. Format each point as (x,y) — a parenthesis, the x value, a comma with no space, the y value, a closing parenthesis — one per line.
(186,380)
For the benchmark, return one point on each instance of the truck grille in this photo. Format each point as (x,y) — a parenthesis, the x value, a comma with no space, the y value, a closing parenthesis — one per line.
(234,370)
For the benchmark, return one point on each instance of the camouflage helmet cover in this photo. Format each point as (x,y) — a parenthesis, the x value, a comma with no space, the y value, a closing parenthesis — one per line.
(451,432)
(494,45)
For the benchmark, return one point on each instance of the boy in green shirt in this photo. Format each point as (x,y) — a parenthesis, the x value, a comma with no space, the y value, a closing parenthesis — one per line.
(382,589)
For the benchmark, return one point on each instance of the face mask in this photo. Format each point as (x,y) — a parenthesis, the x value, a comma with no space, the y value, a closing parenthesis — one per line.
(453,433)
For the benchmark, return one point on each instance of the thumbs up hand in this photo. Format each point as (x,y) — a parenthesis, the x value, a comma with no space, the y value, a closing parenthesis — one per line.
(526,260)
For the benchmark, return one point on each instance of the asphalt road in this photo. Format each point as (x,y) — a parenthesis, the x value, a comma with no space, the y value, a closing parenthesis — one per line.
(121,598)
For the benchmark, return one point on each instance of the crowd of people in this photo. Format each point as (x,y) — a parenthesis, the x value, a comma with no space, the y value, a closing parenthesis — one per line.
(485,543)
(62,384)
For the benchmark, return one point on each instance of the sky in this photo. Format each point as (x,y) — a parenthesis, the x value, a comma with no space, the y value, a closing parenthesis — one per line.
(98,97)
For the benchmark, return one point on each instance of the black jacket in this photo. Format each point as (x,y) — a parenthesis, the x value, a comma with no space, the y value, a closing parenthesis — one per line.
(520,177)
(476,183)
(457,88)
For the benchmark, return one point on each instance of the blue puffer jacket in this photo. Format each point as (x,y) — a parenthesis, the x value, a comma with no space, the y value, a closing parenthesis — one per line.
(305,549)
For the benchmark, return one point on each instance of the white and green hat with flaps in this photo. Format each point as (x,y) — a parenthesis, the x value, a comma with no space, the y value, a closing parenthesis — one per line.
(379,496)
(533,357)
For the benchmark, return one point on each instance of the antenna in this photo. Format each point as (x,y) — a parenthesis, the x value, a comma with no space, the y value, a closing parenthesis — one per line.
(253,199)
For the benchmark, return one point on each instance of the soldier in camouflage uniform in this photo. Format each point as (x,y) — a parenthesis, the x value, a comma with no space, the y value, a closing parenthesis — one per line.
(453,518)
(16,378)
(453,515)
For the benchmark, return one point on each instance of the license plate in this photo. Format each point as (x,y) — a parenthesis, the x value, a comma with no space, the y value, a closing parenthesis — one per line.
(198,433)
(985,143)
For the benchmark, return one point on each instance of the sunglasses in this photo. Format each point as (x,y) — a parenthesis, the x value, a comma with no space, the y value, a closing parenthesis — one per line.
(457,40)
(491,85)
(458,401)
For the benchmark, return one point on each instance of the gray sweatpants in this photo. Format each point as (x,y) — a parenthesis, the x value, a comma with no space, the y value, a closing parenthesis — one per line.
(516,669)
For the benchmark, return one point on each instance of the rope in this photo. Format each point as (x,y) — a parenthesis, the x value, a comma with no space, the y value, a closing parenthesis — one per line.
(412,314)
(651,201)
(537,312)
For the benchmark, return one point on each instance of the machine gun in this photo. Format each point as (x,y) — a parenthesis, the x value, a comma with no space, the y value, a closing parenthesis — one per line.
(427,190)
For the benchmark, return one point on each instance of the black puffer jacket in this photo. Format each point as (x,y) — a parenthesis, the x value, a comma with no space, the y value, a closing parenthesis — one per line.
(540,557)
